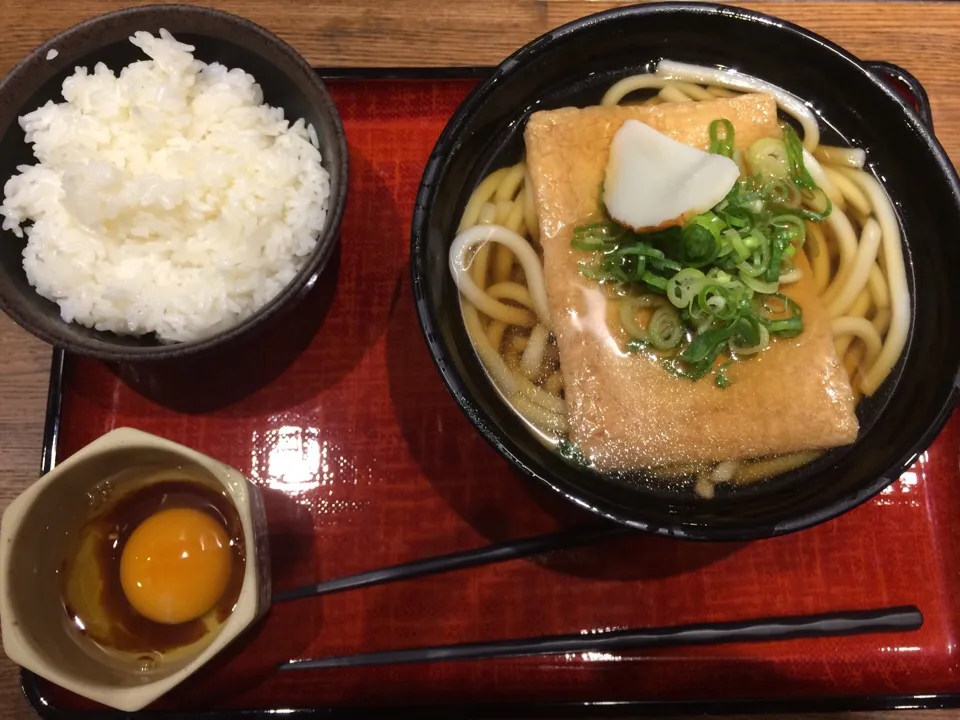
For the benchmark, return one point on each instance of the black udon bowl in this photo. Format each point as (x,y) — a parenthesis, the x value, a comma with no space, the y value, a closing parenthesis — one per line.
(572,66)
(287,81)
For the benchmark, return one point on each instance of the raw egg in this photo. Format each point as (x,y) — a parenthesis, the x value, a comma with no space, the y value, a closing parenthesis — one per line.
(175,565)
(157,566)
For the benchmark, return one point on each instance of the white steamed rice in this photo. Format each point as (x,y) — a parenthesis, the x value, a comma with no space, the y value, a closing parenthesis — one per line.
(169,199)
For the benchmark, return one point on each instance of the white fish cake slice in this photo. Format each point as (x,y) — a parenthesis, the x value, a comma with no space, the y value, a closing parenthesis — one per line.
(652,181)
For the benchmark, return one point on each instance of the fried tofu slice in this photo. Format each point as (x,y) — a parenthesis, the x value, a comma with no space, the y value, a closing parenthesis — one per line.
(625,410)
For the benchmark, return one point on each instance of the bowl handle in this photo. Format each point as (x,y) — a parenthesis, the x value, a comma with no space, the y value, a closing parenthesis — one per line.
(906,85)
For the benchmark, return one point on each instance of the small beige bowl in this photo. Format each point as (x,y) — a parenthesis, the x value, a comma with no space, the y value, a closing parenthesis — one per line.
(32,536)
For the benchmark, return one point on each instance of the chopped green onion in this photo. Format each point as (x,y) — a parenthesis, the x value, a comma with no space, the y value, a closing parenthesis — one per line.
(721,145)
(810,215)
(655,281)
(723,302)
(628,313)
(590,245)
(665,264)
(684,286)
(759,285)
(768,157)
(665,330)
(721,380)
(791,327)
(711,222)
(740,349)
(640,248)
(737,244)
(707,344)
(769,311)
(786,320)
(700,245)
(778,191)
(758,263)
(754,240)
(792,226)
(772,273)
(798,171)
(738,217)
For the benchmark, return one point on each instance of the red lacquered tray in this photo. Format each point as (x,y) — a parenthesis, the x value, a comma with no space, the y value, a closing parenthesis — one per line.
(366,461)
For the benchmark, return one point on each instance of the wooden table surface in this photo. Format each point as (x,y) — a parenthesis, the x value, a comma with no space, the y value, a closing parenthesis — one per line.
(920,36)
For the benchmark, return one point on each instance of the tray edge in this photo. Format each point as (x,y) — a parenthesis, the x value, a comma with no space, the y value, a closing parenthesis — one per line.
(30,682)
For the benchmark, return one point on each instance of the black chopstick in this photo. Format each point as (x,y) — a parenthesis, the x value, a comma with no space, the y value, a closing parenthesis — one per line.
(850,622)
(498,552)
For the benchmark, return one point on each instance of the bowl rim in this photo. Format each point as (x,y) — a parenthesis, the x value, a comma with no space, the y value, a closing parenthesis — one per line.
(430,326)
(315,263)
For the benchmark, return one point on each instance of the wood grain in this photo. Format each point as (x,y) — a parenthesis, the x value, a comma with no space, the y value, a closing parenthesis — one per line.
(922,37)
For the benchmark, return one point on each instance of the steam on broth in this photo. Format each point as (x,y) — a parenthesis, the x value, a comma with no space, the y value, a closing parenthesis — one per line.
(715,295)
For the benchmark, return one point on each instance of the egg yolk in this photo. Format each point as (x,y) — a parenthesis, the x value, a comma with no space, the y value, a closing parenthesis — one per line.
(176,565)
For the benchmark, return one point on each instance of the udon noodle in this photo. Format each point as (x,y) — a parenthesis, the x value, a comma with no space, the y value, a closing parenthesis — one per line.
(855,256)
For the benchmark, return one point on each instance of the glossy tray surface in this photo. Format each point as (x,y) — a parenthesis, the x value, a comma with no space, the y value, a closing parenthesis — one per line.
(366,461)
